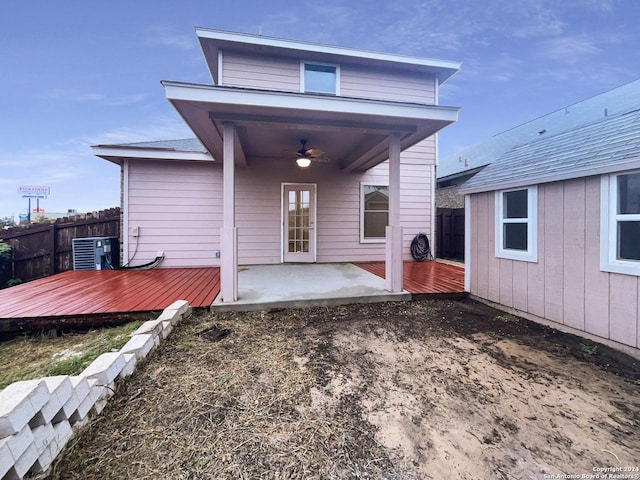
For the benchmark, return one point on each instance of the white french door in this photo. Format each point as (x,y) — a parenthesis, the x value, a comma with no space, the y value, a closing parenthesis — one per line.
(299,218)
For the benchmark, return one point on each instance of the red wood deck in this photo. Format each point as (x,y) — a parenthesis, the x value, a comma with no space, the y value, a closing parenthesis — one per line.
(86,298)
(425,277)
(77,293)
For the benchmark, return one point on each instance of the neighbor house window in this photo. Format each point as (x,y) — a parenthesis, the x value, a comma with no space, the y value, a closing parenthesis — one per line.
(374,212)
(620,223)
(516,224)
(320,78)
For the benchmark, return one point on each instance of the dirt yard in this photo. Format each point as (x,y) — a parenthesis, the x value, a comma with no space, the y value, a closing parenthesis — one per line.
(428,389)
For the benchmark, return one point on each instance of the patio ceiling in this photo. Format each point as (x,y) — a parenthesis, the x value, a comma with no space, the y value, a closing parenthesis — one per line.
(353,132)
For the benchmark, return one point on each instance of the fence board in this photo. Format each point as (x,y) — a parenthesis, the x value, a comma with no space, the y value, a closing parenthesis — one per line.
(450,229)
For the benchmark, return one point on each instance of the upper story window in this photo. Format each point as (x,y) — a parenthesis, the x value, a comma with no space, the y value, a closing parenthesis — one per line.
(320,78)
(516,224)
(620,223)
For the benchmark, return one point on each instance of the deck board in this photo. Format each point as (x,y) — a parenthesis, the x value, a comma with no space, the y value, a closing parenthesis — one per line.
(98,294)
(109,291)
(424,277)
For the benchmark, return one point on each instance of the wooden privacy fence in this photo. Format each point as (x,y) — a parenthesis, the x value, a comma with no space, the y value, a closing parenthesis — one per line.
(44,249)
(450,240)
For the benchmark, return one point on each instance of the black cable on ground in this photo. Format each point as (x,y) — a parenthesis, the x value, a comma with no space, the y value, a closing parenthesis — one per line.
(420,249)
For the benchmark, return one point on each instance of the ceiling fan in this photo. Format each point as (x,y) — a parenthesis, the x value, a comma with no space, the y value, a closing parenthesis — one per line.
(307,155)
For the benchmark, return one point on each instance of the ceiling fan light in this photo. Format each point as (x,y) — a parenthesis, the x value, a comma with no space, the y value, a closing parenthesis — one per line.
(303,162)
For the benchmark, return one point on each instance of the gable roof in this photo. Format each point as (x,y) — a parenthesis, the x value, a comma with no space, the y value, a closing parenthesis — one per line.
(608,104)
(607,145)
(190,149)
(178,145)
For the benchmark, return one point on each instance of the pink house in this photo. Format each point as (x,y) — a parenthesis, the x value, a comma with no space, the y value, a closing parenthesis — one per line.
(553,221)
(303,153)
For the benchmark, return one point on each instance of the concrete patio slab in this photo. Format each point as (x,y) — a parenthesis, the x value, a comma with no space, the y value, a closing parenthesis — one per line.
(261,287)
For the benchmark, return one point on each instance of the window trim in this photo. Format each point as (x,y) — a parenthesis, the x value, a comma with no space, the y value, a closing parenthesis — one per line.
(363,239)
(609,217)
(304,63)
(531,254)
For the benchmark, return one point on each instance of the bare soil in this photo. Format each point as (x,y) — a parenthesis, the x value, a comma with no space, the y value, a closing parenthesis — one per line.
(426,389)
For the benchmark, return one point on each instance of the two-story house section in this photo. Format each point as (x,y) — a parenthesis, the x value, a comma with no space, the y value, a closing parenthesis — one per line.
(294,143)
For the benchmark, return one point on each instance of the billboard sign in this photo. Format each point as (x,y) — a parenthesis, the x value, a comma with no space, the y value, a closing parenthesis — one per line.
(29,191)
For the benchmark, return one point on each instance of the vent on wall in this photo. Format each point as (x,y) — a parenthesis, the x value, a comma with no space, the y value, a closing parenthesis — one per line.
(95,253)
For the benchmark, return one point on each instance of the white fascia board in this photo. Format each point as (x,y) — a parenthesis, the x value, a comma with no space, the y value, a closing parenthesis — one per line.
(297,101)
(151,154)
(450,67)
(557,177)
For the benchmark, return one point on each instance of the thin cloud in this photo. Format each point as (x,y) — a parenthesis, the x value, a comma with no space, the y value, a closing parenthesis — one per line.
(569,50)
(127,100)
(73,96)
(60,94)
(164,36)
(166,128)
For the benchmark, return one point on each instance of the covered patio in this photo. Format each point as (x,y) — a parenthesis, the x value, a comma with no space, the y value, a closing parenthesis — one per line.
(85,298)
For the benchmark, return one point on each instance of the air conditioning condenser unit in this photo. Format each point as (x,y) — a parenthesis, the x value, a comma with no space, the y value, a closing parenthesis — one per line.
(96,253)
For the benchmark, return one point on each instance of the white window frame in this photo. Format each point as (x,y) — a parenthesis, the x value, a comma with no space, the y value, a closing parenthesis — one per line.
(362,237)
(303,65)
(609,218)
(531,254)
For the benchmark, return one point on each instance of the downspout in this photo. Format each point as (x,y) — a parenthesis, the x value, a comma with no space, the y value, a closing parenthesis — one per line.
(434,172)
(124,228)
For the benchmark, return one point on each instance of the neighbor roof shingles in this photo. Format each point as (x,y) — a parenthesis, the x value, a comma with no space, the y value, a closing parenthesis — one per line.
(608,145)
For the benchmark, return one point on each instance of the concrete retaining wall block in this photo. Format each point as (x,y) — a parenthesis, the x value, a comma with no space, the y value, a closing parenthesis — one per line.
(38,417)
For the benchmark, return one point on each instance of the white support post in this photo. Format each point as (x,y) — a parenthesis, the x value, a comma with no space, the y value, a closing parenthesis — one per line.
(393,232)
(228,233)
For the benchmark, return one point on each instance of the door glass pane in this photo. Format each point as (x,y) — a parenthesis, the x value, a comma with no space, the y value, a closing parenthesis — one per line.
(298,208)
(515,204)
(629,194)
(515,236)
(628,240)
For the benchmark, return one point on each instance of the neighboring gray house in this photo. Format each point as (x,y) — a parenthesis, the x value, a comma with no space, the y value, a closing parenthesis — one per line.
(553,222)
(455,170)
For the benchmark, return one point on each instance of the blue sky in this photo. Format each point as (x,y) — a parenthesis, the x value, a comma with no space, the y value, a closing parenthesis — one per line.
(76,73)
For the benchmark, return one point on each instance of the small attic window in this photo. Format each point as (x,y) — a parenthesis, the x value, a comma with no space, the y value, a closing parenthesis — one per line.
(320,78)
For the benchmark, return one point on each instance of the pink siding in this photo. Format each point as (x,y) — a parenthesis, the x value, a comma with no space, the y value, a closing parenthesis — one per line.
(178,208)
(358,81)
(265,72)
(283,74)
(506,282)
(174,206)
(566,284)
(553,251)
(535,271)
(573,254)
(596,286)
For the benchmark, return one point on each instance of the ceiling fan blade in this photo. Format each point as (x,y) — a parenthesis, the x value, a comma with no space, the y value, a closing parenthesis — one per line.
(315,152)
(321,159)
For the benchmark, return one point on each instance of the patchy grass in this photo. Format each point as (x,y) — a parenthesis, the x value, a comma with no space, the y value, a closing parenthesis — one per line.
(40,355)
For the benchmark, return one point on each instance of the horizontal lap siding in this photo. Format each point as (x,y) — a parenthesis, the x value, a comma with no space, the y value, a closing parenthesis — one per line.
(392,85)
(258,215)
(177,207)
(566,285)
(264,72)
(283,74)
